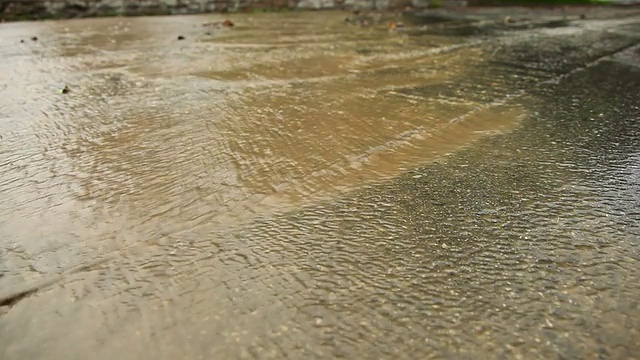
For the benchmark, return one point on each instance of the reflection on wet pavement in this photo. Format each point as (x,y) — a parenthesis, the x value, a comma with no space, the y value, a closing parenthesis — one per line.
(298,187)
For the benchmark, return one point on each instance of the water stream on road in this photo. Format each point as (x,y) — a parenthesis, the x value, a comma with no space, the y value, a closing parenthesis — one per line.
(298,186)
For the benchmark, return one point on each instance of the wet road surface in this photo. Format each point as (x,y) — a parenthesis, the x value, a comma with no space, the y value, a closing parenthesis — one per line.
(297,186)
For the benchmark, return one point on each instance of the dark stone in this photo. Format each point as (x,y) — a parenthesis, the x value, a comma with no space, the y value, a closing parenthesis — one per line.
(180,37)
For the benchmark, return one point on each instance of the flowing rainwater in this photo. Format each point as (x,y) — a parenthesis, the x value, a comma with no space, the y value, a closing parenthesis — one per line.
(297,186)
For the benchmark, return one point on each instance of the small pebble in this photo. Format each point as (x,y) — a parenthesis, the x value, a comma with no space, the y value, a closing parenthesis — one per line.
(509,20)
(34,38)
(180,37)
(65,90)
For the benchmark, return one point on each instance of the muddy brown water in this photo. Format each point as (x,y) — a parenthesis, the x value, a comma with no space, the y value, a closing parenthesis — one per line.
(299,187)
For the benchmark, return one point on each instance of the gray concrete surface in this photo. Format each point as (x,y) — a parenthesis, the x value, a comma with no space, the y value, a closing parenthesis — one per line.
(301,186)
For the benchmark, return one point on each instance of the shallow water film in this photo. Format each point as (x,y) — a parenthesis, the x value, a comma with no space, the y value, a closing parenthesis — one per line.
(301,186)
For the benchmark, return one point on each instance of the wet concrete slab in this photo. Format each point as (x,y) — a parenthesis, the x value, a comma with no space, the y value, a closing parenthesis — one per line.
(301,186)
